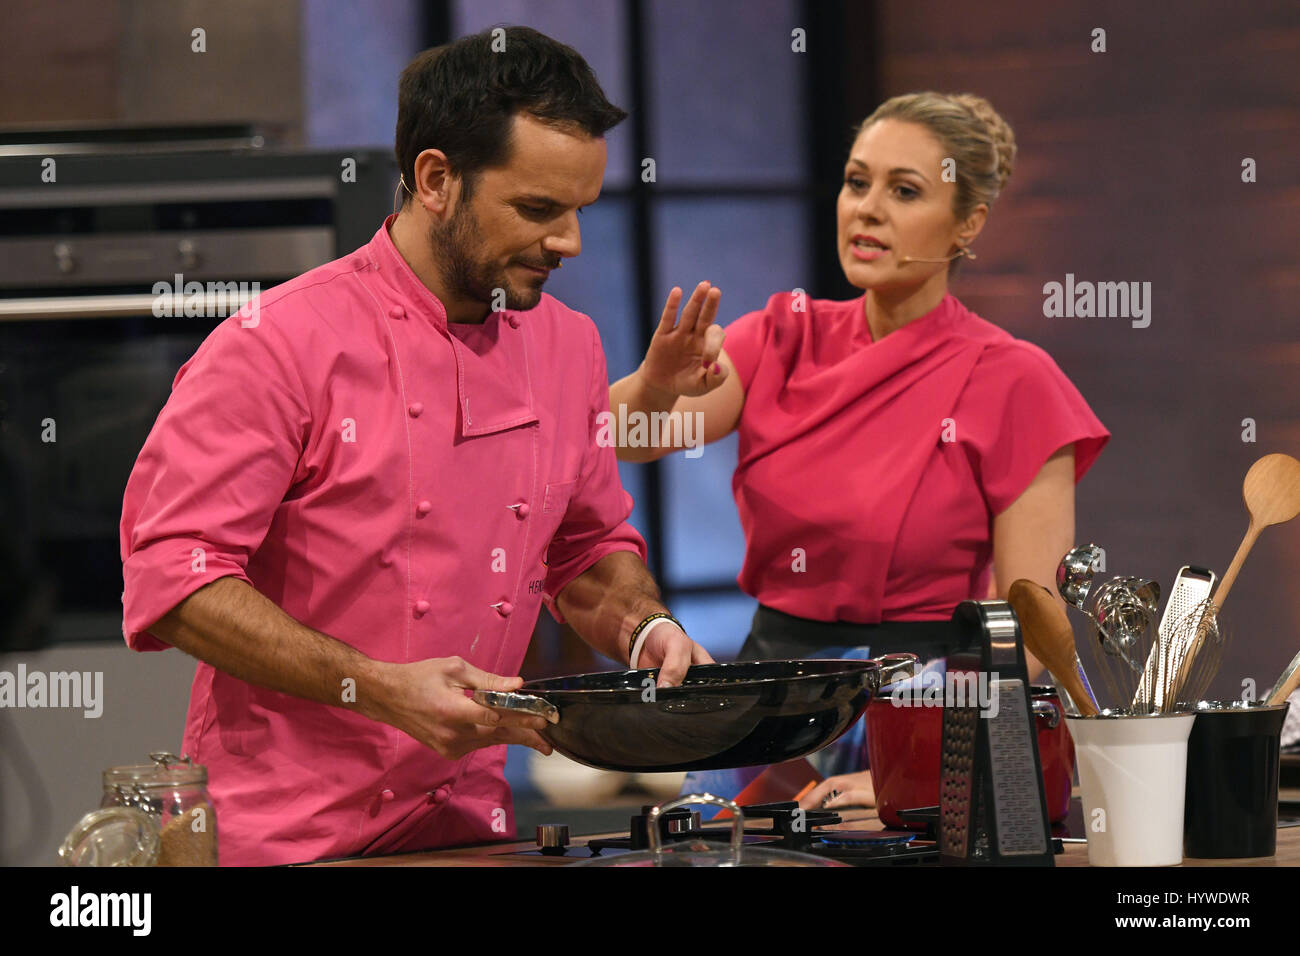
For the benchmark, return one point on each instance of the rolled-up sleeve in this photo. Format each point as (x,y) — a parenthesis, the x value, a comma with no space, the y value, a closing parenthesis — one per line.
(211,474)
(595,522)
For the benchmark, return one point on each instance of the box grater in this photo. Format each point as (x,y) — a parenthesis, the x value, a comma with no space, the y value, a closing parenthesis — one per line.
(1192,586)
(992,808)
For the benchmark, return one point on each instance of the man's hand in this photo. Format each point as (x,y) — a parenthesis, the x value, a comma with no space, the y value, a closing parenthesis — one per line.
(669,649)
(683,356)
(240,631)
(427,699)
(605,603)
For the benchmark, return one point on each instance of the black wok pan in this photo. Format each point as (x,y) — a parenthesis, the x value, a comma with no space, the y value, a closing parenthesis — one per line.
(722,715)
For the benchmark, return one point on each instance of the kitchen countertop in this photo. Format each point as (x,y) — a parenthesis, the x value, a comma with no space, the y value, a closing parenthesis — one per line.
(497,854)
(1076,854)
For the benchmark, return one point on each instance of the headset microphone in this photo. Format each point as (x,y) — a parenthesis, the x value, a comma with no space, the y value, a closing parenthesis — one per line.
(955,255)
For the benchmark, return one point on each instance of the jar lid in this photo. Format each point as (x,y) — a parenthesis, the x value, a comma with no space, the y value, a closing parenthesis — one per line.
(115,836)
(167,770)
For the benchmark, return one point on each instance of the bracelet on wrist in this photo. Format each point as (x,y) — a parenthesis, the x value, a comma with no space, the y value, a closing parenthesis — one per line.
(639,634)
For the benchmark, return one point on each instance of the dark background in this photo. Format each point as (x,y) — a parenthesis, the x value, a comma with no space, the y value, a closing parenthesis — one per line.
(1129,170)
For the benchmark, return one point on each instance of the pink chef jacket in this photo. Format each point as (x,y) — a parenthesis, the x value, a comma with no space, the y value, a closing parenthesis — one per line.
(869,473)
(413,488)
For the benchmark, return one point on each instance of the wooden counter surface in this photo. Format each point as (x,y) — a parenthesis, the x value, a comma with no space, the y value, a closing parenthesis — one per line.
(500,854)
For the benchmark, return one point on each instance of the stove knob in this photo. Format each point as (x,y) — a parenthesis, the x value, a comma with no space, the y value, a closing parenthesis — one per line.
(188,253)
(63,257)
(552,838)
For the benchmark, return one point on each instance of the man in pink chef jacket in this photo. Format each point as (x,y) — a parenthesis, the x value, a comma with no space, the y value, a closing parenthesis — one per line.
(362,489)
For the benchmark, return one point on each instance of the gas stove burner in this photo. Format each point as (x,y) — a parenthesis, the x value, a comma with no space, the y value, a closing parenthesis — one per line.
(849,838)
(788,827)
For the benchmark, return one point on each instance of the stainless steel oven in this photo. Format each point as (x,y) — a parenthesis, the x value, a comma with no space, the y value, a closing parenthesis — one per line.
(93,226)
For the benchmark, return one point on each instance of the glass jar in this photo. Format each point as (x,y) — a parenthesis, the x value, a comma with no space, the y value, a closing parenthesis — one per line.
(113,836)
(174,791)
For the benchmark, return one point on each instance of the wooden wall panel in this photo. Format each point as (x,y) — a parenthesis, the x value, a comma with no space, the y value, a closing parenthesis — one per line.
(251,69)
(1130,169)
(98,62)
(58,62)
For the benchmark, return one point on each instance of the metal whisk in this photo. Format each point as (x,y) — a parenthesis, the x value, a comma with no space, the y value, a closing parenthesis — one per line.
(1191,657)
(1123,611)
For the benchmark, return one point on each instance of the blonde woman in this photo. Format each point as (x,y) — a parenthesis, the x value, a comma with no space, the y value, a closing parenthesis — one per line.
(898,453)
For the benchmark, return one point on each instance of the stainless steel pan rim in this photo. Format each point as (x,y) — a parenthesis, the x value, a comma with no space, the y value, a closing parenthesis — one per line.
(891,667)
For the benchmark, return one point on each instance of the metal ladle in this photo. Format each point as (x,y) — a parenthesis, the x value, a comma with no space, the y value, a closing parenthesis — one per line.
(1075,572)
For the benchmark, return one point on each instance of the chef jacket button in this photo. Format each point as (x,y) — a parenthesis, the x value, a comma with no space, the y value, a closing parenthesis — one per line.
(513,320)
(521,509)
(423,508)
(441,795)
(414,409)
(387,795)
(397,312)
(421,608)
(504,608)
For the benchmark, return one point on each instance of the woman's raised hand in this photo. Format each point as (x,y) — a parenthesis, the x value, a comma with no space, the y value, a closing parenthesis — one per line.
(683,355)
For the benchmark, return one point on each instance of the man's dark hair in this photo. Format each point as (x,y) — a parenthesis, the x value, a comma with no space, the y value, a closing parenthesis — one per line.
(461,98)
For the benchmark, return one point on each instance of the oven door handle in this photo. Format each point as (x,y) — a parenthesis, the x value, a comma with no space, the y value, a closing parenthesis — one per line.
(110,306)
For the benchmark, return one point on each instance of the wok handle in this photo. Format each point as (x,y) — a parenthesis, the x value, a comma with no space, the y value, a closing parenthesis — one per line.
(1048,711)
(514,702)
(896,667)
(737,823)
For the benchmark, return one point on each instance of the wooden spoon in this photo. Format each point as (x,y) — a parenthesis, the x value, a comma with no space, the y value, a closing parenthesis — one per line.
(1272,495)
(1048,636)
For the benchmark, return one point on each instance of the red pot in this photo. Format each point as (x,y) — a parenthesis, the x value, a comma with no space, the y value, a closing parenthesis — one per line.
(904,744)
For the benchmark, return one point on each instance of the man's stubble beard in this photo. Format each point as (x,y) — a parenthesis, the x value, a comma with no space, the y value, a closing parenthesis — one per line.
(467,277)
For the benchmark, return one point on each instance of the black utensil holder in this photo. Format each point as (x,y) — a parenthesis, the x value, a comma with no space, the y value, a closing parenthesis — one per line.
(1233,762)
